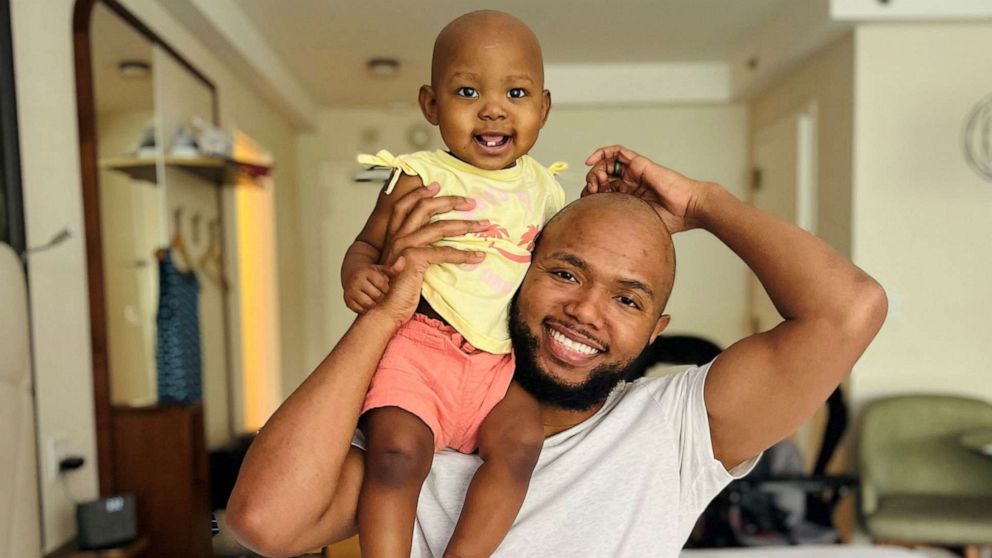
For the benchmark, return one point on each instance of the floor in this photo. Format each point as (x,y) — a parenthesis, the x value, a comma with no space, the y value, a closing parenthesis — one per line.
(344,549)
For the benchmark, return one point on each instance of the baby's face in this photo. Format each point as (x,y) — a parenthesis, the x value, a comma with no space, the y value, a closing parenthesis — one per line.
(489,101)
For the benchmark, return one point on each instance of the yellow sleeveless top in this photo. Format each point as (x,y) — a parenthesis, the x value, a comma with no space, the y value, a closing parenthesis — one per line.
(517,201)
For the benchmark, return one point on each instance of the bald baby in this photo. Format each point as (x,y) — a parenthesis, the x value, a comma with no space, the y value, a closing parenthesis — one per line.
(487,99)
(480,30)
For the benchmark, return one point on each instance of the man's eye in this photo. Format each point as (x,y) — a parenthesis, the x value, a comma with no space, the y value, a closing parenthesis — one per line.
(469,92)
(563,275)
(516,93)
(626,301)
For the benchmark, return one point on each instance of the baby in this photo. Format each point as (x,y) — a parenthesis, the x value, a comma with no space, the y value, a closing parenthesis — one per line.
(445,378)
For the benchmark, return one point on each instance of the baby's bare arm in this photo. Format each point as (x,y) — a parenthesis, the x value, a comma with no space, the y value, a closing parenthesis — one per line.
(367,247)
(361,275)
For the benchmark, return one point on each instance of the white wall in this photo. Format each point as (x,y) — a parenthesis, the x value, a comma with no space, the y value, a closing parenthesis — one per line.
(922,218)
(43,57)
(704,141)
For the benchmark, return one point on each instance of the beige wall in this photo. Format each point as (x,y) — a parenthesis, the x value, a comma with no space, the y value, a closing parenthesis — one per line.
(921,216)
(43,57)
(825,79)
(704,141)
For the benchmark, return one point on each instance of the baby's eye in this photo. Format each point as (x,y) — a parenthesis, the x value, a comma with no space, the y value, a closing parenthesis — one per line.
(516,93)
(469,92)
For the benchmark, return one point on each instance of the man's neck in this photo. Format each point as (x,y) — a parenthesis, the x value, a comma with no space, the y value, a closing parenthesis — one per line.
(556,419)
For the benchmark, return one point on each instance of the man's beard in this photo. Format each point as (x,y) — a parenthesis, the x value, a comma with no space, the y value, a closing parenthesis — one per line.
(548,389)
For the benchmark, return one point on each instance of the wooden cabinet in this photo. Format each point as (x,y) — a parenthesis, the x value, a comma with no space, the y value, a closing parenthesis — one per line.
(160,456)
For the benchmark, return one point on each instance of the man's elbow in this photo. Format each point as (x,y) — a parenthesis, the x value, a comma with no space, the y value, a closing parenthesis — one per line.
(869,307)
(251,527)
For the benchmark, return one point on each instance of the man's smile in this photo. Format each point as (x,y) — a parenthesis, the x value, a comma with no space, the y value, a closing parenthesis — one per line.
(569,346)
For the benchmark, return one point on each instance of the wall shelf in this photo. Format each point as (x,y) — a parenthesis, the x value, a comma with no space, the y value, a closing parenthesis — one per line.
(211,169)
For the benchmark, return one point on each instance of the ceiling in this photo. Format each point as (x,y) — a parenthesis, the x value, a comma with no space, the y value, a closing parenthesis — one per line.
(326,43)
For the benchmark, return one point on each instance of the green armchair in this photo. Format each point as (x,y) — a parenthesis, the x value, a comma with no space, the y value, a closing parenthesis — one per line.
(919,484)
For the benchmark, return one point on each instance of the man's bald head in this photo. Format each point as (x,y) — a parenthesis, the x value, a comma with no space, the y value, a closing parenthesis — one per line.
(482,26)
(638,228)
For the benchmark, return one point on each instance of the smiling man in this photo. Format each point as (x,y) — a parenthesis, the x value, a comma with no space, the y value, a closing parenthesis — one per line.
(570,353)
(626,468)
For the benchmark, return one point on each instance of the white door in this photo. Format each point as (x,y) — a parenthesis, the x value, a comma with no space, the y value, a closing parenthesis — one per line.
(784,184)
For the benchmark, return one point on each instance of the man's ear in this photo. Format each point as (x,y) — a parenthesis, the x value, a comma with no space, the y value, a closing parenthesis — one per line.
(660,326)
(545,106)
(428,103)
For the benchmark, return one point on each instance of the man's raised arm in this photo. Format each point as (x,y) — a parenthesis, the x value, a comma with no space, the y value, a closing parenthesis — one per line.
(298,487)
(766,386)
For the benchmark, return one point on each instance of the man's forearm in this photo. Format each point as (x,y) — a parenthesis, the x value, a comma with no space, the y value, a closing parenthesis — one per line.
(802,275)
(289,476)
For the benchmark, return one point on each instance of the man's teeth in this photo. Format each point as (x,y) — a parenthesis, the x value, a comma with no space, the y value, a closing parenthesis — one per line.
(573,345)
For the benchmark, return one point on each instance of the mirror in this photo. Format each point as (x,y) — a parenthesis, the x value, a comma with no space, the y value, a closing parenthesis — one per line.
(160,221)
(131,226)
(155,225)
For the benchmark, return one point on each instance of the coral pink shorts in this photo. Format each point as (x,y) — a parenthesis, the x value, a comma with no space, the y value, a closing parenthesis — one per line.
(428,369)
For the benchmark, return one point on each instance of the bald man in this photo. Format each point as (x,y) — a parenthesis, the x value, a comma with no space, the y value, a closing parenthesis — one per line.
(626,468)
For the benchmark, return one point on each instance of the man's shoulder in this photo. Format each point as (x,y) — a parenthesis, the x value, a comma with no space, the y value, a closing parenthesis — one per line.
(669,387)
(665,377)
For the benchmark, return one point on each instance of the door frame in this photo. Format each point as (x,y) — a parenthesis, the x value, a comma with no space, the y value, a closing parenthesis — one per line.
(10,153)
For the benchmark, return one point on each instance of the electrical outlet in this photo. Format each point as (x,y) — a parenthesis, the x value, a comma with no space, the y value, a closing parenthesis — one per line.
(56,448)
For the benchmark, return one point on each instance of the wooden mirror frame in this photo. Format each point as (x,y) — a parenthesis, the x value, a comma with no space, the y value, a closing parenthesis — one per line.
(89,170)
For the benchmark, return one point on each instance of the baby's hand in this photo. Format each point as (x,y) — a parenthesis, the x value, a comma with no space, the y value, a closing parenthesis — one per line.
(365,288)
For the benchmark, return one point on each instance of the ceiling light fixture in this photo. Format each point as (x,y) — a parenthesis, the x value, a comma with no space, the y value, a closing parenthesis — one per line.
(383,67)
(134,69)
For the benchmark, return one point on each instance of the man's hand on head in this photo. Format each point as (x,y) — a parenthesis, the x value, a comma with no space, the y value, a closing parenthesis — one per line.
(676,198)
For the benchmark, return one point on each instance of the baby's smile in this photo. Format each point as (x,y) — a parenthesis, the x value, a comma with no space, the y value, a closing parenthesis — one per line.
(493,144)
(492,140)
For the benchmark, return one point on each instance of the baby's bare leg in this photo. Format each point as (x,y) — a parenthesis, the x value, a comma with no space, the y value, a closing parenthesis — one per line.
(399,452)
(510,441)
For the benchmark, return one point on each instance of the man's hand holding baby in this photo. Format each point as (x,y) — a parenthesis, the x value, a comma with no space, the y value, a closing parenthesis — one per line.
(410,222)
(396,280)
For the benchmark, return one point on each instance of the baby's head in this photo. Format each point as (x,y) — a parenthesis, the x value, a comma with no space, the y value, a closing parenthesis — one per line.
(487,89)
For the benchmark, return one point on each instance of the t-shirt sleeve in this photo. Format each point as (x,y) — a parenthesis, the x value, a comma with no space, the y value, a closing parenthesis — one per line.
(701,475)
(358,440)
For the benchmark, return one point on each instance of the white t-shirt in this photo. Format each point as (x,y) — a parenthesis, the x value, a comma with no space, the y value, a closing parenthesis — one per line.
(629,481)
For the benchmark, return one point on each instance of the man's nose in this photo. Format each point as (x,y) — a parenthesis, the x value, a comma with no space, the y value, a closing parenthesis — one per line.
(586,308)
(492,108)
